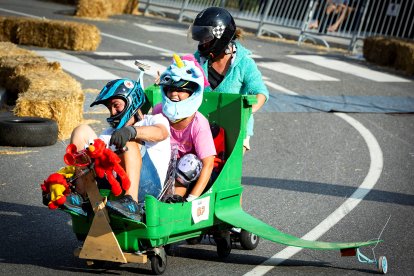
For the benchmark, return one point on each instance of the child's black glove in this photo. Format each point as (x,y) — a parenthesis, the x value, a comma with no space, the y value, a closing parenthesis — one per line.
(121,136)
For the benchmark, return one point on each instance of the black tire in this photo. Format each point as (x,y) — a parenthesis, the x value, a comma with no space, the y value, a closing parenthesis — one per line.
(223,246)
(27,132)
(157,265)
(248,240)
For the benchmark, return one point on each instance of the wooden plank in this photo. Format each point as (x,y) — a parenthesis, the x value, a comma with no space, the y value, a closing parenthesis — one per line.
(101,243)
(134,258)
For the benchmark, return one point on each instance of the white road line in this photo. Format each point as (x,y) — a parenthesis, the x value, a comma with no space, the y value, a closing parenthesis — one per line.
(137,43)
(279,88)
(348,68)
(253,56)
(20,13)
(170,56)
(77,67)
(294,71)
(119,54)
(152,28)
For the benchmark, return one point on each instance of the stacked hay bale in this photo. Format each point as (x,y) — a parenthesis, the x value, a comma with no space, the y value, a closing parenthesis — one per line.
(42,89)
(392,52)
(105,8)
(50,33)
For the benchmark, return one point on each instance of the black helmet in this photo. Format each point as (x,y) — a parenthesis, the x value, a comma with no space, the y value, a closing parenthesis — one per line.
(129,91)
(213,28)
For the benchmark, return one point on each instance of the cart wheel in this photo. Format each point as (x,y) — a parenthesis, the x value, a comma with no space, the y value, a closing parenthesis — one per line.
(223,246)
(157,265)
(248,240)
(382,265)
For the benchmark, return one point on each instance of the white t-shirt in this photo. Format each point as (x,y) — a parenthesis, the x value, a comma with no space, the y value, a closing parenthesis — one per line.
(159,152)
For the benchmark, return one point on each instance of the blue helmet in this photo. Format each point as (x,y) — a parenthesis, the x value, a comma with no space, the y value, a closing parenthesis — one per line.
(128,90)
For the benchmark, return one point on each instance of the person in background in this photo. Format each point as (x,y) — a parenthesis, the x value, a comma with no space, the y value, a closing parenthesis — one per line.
(336,13)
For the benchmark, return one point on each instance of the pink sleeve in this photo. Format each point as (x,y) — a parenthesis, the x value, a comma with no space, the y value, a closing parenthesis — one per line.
(203,140)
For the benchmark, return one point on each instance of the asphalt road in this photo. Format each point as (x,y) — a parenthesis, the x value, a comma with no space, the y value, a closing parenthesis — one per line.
(303,167)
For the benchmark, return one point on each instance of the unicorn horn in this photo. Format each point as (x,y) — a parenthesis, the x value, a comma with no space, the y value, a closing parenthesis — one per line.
(178,61)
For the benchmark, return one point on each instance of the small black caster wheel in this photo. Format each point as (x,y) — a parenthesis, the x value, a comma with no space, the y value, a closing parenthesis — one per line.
(248,240)
(157,265)
(223,246)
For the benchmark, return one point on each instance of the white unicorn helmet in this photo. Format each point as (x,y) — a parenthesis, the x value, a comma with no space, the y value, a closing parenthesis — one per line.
(186,75)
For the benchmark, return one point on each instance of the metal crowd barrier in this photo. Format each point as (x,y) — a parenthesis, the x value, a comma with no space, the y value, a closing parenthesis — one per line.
(346,21)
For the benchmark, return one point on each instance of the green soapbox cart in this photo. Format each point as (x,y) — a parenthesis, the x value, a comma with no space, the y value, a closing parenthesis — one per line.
(112,238)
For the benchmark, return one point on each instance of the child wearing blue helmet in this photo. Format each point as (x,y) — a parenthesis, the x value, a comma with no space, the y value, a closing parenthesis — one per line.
(146,139)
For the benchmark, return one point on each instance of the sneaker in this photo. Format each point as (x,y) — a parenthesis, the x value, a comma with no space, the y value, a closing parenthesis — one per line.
(74,203)
(125,207)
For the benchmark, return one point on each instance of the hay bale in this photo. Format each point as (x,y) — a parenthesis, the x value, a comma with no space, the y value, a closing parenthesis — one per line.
(8,49)
(41,88)
(51,94)
(405,56)
(9,65)
(131,6)
(105,8)
(379,50)
(15,61)
(11,57)
(6,29)
(17,82)
(93,8)
(51,33)
(392,52)
(124,6)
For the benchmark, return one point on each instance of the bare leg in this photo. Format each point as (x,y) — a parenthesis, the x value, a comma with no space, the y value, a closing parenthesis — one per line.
(334,27)
(131,161)
(180,190)
(80,137)
(331,8)
(313,24)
